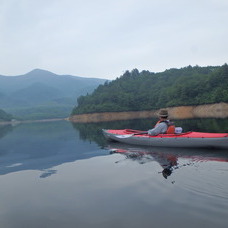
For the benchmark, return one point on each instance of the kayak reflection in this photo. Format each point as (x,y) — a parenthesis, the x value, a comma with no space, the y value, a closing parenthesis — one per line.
(167,157)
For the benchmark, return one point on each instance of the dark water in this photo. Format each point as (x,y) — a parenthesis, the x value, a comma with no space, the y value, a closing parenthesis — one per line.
(60,174)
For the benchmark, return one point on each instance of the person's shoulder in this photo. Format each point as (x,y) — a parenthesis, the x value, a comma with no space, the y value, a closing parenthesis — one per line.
(163,123)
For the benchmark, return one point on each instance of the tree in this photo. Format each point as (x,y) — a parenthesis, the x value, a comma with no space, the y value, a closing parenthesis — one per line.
(146,90)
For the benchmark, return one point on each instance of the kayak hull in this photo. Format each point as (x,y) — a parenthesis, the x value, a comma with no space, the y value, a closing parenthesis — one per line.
(189,139)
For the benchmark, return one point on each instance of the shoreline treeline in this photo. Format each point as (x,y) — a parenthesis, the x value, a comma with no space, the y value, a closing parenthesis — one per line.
(137,91)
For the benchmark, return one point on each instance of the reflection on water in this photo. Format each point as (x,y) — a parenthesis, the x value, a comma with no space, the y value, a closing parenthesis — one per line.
(62,175)
(41,146)
(168,158)
(5,129)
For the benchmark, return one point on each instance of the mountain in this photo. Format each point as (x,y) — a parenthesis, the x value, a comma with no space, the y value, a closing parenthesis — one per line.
(137,91)
(35,94)
(38,93)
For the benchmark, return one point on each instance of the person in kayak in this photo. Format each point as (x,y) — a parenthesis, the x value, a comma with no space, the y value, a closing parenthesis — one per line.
(163,126)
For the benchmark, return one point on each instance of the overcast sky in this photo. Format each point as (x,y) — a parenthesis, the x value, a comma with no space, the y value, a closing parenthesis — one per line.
(104,38)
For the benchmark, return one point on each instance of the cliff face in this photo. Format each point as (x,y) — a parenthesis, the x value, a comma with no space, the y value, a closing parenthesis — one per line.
(219,110)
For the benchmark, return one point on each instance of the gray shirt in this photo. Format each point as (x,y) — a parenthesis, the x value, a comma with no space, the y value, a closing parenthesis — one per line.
(160,128)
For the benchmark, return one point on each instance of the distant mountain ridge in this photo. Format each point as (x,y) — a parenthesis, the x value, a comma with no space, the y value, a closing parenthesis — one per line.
(43,90)
(46,77)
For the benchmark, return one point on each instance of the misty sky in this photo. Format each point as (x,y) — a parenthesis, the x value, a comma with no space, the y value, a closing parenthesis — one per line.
(104,38)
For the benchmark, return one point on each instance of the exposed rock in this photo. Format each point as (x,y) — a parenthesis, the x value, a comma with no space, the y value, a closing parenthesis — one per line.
(219,110)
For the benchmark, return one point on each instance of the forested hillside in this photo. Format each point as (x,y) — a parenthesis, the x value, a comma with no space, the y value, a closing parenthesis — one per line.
(135,91)
(5,116)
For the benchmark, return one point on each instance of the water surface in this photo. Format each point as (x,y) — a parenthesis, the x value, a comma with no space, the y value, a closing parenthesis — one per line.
(60,174)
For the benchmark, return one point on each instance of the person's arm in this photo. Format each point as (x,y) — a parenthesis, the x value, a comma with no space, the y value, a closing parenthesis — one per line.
(158,129)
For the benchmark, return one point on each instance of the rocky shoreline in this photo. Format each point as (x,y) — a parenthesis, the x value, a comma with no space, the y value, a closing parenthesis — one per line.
(218,110)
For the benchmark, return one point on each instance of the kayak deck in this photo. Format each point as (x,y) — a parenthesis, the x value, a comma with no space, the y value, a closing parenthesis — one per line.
(191,134)
(188,139)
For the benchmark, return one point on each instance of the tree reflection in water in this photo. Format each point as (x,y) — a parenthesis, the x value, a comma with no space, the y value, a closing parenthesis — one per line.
(166,157)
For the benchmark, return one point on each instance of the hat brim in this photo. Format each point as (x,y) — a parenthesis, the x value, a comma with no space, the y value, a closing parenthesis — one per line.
(163,115)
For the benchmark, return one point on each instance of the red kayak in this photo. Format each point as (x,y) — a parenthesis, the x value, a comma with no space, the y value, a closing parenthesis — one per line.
(188,139)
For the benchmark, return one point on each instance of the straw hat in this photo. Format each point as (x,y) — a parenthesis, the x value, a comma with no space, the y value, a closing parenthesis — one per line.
(163,113)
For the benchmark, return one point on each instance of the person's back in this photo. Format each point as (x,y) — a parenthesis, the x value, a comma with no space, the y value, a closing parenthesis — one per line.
(163,125)
(160,128)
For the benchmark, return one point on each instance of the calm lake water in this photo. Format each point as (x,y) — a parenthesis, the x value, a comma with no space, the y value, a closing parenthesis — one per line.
(60,174)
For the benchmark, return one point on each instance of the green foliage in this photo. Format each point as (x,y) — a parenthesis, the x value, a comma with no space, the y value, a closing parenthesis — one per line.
(135,91)
(41,112)
(5,116)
